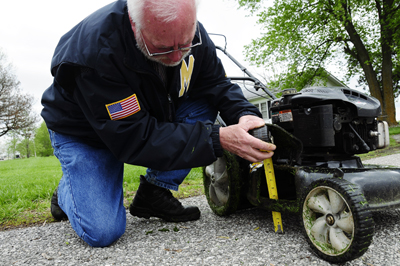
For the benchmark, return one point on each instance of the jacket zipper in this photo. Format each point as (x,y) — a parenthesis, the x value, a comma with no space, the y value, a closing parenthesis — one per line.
(170,103)
(169,107)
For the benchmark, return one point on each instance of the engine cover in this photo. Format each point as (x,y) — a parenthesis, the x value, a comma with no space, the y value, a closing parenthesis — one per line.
(329,119)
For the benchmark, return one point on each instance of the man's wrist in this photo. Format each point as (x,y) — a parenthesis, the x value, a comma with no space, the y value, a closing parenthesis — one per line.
(247,113)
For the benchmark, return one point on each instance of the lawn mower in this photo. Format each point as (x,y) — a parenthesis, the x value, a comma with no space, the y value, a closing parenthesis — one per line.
(318,132)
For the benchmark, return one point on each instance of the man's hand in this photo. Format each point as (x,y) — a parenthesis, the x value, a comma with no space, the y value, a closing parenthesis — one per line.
(236,139)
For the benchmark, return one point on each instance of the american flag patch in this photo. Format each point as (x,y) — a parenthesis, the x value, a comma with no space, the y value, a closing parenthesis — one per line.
(123,108)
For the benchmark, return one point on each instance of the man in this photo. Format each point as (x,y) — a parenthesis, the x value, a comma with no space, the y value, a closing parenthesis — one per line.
(139,82)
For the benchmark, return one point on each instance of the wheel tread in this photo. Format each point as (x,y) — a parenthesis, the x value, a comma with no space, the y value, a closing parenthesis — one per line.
(236,186)
(364,229)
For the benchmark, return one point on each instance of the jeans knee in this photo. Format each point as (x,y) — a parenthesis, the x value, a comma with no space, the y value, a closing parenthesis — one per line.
(105,234)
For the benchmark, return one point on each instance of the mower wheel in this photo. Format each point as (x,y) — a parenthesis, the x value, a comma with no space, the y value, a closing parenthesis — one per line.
(338,224)
(223,184)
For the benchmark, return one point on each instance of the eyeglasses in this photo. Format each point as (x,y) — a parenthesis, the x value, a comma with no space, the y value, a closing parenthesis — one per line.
(183,49)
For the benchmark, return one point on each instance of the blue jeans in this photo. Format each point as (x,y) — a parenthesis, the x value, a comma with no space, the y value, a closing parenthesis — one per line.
(91,192)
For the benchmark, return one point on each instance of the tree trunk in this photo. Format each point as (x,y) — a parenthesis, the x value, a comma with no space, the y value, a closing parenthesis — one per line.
(384,94)
(388,105)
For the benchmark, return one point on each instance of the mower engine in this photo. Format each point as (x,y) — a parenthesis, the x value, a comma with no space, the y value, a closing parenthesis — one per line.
(331,122)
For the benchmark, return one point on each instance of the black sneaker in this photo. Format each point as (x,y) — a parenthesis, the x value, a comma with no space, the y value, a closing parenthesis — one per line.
(154,201)
(55,209)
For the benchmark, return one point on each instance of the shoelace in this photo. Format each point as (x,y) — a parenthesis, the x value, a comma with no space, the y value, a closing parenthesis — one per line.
(168,200)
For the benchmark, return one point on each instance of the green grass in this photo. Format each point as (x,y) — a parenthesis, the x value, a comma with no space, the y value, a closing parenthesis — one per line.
(26,189)
(28,184)
(394,130)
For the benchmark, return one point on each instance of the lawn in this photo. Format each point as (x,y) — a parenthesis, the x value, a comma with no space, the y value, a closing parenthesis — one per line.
(26,189)
(28,184)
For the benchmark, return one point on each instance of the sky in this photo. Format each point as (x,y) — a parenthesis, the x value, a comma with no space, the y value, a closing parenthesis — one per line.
(30,31)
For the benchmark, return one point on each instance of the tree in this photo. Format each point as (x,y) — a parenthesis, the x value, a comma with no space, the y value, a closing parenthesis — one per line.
(15,107)
(42,141)
(27,146)
(305,37)
(12,144)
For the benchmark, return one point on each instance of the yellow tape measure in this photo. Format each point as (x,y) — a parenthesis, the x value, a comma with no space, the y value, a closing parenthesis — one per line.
(273,193)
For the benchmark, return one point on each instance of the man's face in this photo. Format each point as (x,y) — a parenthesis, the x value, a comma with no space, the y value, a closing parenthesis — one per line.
(168,38)
(171,59)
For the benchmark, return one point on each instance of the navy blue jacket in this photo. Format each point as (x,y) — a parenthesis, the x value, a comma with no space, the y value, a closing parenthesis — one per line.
(97,67)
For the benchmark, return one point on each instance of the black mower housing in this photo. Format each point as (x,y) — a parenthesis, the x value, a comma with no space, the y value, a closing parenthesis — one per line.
(329,119)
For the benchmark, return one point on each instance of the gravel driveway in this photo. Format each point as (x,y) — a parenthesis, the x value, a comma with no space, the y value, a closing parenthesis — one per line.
(245,238)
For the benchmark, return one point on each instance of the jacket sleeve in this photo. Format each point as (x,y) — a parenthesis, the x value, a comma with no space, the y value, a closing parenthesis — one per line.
(140,139)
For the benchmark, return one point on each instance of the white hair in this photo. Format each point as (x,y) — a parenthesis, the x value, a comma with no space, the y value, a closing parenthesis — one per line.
(166,10)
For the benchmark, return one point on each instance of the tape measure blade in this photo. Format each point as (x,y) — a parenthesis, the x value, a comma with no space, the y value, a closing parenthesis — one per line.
(276,216)
(273,193)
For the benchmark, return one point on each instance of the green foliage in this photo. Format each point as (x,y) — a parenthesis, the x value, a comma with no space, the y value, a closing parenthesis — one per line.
(22,141)
(26,147)
(12,143)
(301,38)
(42,141)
